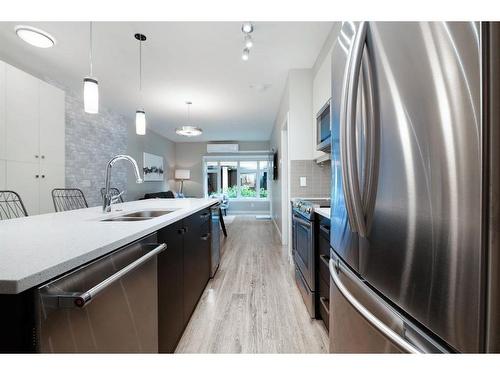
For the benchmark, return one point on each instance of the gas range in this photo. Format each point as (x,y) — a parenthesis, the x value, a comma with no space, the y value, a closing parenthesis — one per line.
(305,206)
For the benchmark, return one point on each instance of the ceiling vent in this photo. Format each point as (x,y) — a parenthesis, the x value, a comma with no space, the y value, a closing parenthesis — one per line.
(222,147)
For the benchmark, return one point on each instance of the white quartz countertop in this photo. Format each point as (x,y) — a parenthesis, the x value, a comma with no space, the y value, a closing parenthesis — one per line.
(323,211)
(38,248)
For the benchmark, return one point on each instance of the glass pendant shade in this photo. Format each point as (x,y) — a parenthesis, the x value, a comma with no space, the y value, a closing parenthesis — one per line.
(140,122)
(91,95)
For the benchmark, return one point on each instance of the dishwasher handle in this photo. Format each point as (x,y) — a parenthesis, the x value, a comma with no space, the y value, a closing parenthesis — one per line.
(81,300)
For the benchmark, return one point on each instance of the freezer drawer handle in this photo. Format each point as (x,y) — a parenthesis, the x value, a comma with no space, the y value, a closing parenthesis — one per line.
(372,319)
(82,299)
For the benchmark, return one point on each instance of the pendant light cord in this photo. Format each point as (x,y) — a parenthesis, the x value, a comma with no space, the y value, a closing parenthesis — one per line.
(140,65)
(90,48)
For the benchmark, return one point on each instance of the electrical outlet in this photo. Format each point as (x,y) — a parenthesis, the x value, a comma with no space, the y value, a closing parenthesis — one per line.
(303,181)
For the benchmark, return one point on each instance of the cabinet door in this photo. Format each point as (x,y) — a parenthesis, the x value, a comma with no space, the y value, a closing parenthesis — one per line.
(51,176)
(52,124)
(2,110)
(21,116)
(24,178)
(196,260)
(2,174)
(170,290)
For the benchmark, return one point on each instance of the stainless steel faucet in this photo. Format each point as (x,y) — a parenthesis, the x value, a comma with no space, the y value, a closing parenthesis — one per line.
(109,199)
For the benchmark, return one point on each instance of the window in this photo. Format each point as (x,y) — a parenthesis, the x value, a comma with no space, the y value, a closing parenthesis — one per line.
(246,178)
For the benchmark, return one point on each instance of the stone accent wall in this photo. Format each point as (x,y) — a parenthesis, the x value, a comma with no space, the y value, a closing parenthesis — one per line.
(91,141)
(318,179)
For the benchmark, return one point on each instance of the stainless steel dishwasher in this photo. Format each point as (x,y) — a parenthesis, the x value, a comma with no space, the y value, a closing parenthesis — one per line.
(107,306)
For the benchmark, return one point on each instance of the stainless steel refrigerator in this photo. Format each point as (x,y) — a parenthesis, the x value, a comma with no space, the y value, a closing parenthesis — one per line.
(415,188)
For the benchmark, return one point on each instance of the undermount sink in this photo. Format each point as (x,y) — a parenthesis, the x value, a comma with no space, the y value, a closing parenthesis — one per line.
(139,215)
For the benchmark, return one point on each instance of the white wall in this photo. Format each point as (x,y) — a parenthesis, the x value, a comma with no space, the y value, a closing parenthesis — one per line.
(305,93)
(299,119)
(152,143)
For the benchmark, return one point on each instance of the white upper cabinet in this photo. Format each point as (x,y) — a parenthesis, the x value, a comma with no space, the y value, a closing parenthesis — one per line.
(322,88)
(52,123)
(21,115)
(2,110)
(32,138)
(24,179)
(2,175)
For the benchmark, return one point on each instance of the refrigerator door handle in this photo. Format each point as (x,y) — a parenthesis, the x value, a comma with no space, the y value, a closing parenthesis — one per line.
(344,145)
(372,141)
(350,125)
(395,338)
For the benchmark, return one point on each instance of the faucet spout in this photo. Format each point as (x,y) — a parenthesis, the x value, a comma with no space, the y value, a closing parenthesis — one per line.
(108,198)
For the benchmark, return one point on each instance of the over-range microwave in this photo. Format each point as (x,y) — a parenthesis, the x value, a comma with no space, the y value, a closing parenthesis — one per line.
(323,128)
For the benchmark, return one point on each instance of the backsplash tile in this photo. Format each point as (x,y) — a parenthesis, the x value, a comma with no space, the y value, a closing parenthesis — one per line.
(318,179)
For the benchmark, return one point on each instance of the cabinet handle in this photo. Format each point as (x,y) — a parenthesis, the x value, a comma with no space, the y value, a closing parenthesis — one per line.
(202,216)
(43,176)
(185,230)
(36,156)
(36,176)
(205,237)
(181,230)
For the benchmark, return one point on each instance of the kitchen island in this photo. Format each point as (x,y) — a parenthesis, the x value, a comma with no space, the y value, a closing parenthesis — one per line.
(40,249)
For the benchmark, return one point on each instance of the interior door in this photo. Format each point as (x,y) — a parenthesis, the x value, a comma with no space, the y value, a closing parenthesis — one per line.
(423,248)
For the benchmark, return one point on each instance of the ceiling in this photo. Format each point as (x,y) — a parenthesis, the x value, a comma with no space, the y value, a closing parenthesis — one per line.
(196,61)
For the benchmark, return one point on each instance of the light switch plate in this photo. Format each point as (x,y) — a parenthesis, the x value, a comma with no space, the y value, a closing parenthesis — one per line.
(303,181)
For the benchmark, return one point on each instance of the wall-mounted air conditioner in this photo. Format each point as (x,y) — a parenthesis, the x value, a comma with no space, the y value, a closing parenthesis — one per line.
(222,147)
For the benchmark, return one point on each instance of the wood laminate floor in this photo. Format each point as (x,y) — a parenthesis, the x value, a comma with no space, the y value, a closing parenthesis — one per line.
(253,305)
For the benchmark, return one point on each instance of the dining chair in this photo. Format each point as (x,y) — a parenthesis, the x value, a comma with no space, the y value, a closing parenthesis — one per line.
(68,199)
(11,205)
(114,191)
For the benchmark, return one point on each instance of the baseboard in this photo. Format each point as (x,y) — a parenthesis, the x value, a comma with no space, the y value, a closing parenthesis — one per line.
(278,230)
(248,212)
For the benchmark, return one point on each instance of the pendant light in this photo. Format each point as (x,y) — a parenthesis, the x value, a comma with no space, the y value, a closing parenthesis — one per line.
(140,114)
(189,130)
(90,85)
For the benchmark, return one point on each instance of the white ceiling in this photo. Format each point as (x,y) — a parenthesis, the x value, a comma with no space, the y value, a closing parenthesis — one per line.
(196,61)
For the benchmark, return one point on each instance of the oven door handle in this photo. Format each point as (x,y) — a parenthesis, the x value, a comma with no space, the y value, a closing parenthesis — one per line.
(302,221)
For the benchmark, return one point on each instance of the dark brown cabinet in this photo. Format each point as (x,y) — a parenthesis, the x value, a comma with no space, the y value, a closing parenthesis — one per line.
(196,259)
(323,272)
(183,273)
(170,288)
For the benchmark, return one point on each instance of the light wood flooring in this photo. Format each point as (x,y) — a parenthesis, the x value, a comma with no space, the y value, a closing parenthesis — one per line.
(253,305)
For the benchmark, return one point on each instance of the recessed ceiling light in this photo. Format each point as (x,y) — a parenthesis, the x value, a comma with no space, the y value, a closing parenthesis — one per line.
(260,87)
(189,131)
(248,41)
(35,37)
(245,55)
(247,27)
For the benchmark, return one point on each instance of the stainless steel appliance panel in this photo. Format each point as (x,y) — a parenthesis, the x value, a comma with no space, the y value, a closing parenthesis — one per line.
(119,314)
(362,322)
(423,249)
(342,239)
